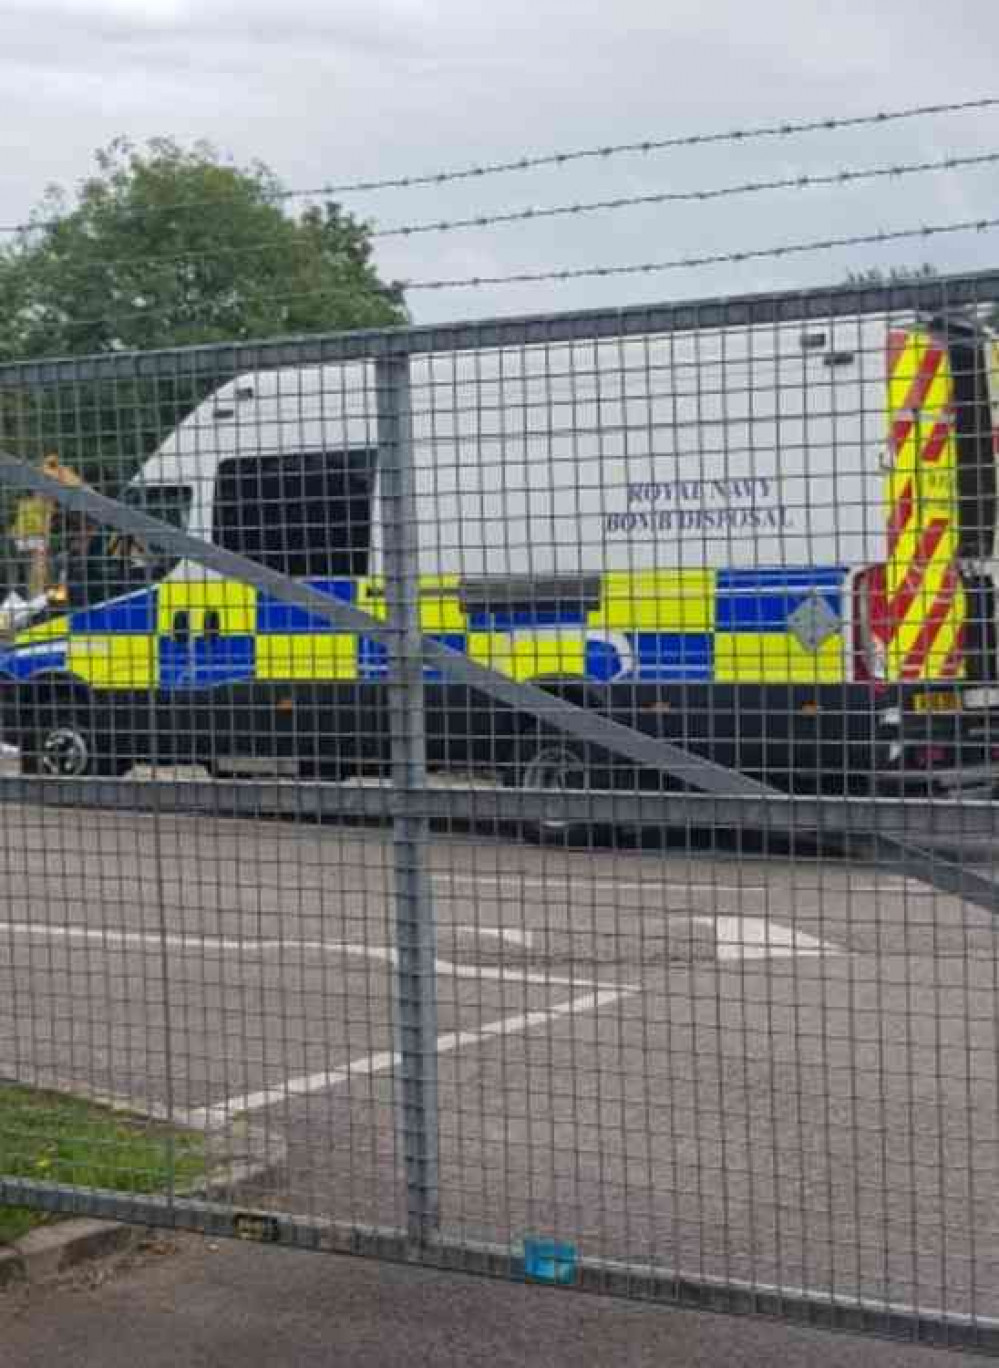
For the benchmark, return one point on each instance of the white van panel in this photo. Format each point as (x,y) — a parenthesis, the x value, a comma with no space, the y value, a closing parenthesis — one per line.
(700,450)
(721,448)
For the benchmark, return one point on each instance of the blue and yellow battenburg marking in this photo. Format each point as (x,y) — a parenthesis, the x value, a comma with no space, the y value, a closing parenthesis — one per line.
(725,626)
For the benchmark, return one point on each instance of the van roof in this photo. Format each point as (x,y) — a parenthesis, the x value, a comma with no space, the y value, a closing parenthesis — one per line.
(290,409)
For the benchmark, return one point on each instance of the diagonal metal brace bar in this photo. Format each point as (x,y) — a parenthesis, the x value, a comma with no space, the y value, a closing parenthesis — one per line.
(935,869)
(569,717)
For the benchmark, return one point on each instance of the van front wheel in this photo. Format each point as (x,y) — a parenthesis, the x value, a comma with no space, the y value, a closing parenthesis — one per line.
(65,745)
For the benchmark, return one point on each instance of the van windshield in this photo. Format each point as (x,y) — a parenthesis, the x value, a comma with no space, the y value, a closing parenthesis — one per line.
(106,563)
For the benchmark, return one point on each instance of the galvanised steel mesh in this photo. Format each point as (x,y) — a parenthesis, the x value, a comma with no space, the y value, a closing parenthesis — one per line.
(520,796)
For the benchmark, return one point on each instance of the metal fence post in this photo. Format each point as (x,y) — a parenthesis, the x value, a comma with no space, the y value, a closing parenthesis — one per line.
(416,973)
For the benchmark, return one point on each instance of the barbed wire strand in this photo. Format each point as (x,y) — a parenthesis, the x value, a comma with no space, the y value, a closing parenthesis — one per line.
(844,177)
(560,275)
(804,181)
(557,275)
(785,129)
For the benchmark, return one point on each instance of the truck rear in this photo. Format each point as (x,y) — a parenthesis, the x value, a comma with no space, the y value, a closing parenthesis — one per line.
(925,615)
(914,608)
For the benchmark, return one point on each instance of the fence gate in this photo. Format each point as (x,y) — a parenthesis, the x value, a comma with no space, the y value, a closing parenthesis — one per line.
(519,797)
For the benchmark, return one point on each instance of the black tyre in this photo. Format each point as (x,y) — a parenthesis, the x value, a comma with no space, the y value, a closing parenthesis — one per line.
(61,740)
(555,764)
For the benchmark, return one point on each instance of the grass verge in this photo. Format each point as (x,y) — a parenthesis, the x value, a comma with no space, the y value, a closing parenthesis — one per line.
(54,1138)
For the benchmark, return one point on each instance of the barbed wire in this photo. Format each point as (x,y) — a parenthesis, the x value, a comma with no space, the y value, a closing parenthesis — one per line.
(784,129)
(558,275)
(105,266)
(803,181)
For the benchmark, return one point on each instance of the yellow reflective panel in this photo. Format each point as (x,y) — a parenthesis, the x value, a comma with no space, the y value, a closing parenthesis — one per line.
(44,631)
(926,643)
(115,662)
(531,654)
(330,655)
(235,603)
(657,601)
(371,598)
(440,605)
(926,606)
(773,658)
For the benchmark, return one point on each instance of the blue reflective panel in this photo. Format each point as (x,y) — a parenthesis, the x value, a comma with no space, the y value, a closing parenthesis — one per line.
(800,577)
(373,659)
(24,664)
(202,663)
(674,655)
(275,616)
(132,615)
(603,660)
(763,600)
(508,620)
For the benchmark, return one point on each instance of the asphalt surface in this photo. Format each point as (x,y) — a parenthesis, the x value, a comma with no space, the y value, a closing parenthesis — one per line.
(778,1072)
(231,1306)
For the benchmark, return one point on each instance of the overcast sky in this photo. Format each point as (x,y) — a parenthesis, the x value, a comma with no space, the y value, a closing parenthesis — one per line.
(326,90)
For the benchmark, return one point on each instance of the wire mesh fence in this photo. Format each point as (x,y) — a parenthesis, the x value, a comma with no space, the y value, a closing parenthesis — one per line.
(520,796)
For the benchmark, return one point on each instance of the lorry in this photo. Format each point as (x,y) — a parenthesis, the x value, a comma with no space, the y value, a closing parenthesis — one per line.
(774,546)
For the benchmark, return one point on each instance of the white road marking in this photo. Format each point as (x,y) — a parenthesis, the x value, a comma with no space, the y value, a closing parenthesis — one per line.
(514,883)
(571,883)
(384,1061)
(521,938)
(190,943)
(740,938)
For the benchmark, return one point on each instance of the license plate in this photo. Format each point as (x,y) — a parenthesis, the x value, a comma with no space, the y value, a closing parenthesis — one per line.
(937,703)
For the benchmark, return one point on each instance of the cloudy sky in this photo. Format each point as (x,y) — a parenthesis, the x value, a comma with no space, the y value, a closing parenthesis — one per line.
(331,90)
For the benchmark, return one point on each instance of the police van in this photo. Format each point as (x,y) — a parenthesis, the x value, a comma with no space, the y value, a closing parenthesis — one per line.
(773,546)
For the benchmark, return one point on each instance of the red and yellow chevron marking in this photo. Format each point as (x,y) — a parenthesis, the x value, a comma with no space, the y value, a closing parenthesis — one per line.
(921,622)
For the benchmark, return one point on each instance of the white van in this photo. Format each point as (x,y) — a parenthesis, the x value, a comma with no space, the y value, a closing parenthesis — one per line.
(772,545)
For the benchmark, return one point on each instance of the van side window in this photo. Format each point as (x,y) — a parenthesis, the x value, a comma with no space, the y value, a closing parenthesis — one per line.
(305,515)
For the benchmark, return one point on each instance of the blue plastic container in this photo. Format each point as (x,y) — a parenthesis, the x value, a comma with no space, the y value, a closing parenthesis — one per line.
(550,1261)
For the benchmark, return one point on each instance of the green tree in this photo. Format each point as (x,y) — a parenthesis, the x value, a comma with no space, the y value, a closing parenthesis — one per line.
(167,247)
